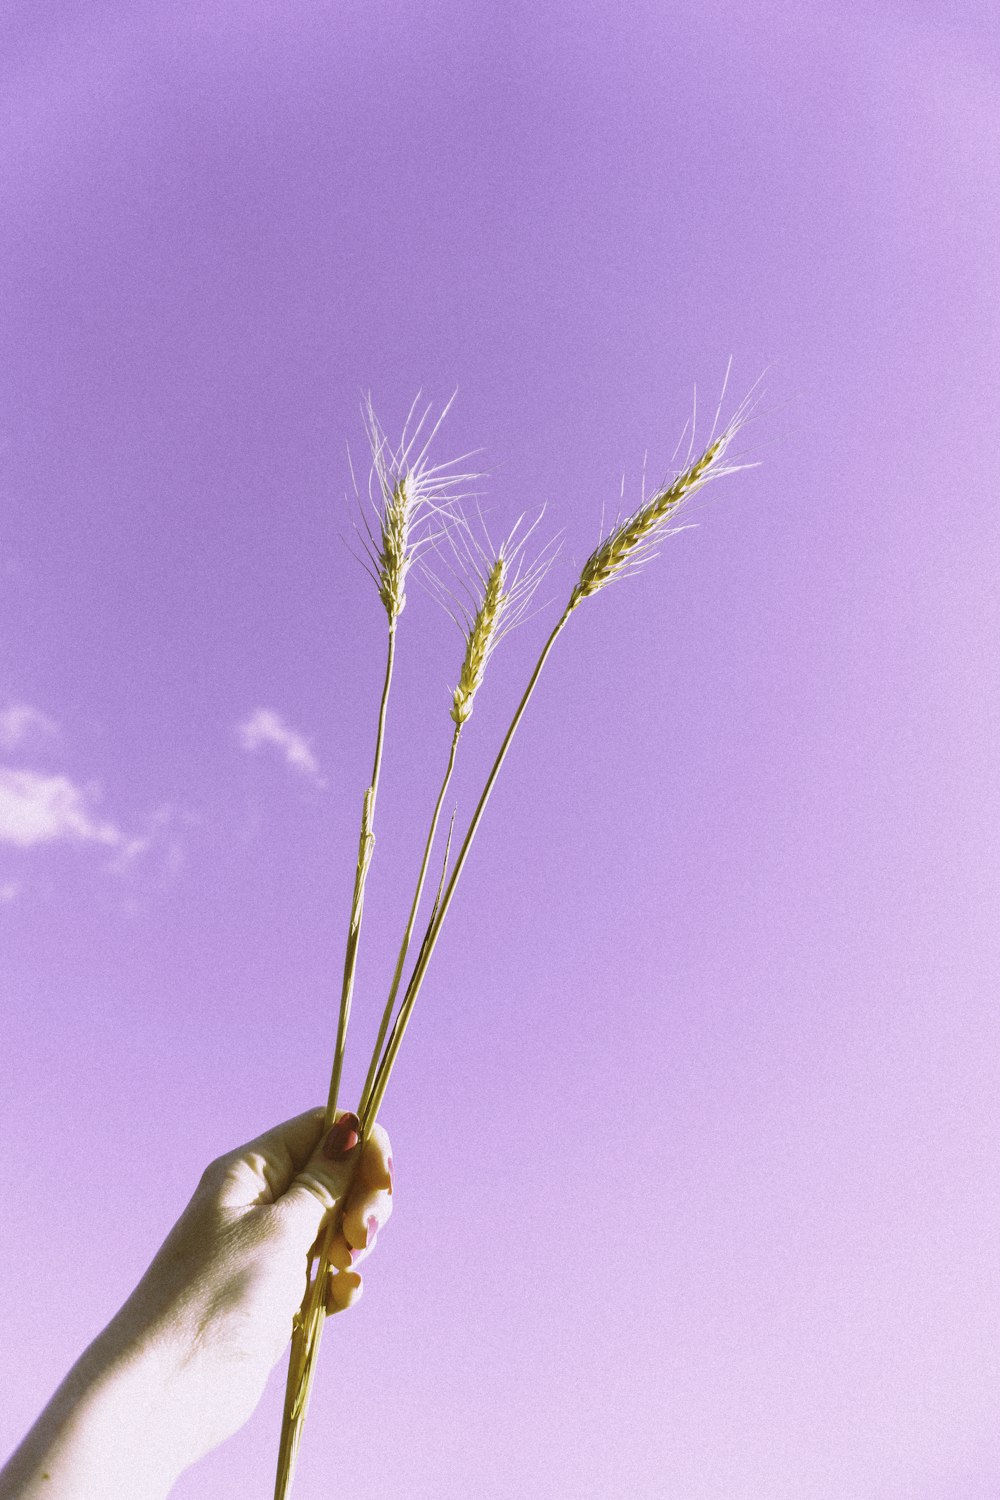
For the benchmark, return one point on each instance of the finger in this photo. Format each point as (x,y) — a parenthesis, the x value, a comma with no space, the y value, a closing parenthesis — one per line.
(343,1289)
(340,1254)
(325,1178)
(299,1136)
(376,1170)
(364,1216)
(369,1202)
(262,1169)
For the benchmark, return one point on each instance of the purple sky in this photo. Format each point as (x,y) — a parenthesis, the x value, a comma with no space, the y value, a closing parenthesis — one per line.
(696,1127)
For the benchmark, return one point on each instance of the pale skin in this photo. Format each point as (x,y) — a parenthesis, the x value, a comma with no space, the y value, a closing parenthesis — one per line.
(184,1362)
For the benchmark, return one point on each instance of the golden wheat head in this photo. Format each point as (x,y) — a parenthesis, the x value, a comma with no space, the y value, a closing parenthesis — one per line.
(412,501)
(634,540)
(487,593)
(480,640)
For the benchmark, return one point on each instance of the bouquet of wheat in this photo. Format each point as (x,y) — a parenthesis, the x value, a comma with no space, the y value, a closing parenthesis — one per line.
(418,513)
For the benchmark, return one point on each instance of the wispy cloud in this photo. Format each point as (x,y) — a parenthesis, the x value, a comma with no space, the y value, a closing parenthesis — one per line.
(43,809)
(265,727)
(21,725)
(38,809)
(159,845)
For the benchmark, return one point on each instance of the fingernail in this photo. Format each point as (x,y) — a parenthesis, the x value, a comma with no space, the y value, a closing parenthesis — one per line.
(388,1164)
(371,1224)
(342,1138)
(355,1254)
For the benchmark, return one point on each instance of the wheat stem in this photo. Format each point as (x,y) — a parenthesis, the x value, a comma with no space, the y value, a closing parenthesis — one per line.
(408,491)
(307,1328)
(365,850)
(408,934)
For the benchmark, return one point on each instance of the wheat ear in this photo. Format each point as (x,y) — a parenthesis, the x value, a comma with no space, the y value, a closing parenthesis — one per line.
(480,638)
(410,503)
(633,541)
(487,594)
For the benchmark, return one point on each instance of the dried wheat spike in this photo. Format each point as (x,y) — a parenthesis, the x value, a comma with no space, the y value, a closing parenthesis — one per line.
(479,643)
(634,540)
(487,592)
(394,553)
(412,502)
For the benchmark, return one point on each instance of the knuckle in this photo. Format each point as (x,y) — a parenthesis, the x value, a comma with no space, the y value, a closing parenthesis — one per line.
(214,1175)
(319,1189)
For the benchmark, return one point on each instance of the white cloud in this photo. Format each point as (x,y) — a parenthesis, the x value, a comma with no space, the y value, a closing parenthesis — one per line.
(265,727)
(37,809)
(159,846)
(21,724)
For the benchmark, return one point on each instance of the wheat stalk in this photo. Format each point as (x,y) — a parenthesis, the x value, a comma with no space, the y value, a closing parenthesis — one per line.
(410,493)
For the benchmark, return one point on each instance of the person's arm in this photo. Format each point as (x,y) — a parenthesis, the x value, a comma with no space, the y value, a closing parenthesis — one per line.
(185,1361)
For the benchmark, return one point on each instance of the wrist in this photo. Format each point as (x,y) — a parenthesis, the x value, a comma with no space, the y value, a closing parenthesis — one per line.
(110,1429)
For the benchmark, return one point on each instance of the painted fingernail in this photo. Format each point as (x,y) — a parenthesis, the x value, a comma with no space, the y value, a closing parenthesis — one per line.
(342,1138)
(371,1224)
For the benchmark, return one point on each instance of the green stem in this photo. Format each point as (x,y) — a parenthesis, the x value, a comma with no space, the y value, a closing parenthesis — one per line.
(408,934)
(365,849)
(434,927)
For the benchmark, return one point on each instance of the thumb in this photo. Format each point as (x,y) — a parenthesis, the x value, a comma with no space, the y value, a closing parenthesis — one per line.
(326,1177)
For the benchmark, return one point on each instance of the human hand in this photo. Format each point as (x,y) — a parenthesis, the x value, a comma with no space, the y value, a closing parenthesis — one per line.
(184,1362)
(220,1295)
